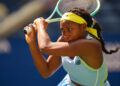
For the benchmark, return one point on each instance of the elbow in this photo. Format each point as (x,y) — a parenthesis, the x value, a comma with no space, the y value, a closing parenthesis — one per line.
(46,75)
(44,50)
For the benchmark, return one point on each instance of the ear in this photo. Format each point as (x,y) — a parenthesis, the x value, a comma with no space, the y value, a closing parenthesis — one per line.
(84,26)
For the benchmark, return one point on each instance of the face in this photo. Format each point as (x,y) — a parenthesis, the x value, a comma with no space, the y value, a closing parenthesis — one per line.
(72,31)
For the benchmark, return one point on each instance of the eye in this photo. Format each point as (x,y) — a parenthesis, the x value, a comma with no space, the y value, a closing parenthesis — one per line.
(69,29)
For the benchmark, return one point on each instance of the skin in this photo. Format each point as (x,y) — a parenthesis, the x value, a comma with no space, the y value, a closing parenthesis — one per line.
(71,43)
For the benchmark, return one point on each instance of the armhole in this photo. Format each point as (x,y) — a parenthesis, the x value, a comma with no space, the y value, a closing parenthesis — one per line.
(89,37)
(89,67)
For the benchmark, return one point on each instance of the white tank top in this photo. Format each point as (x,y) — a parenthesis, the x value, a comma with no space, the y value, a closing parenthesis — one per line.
(81,73)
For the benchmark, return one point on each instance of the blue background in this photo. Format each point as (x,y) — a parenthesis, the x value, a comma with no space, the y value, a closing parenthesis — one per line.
(17,67)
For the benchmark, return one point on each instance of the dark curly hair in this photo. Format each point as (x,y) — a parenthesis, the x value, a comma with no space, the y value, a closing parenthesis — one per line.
(86,15)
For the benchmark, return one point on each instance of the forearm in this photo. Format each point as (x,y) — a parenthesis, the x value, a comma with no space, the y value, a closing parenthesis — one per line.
(43,38)
(39,60)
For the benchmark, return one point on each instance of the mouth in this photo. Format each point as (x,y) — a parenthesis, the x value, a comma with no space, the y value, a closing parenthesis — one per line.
(67,39)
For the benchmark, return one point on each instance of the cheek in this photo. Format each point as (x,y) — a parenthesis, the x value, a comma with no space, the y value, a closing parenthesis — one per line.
(76,32)
(75,35)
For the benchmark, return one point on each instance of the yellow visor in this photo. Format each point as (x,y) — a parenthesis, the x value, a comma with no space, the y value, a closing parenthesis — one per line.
(73,17)
(77,19)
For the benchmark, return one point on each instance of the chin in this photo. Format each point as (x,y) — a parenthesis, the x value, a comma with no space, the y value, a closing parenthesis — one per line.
(68,40)
(71,40)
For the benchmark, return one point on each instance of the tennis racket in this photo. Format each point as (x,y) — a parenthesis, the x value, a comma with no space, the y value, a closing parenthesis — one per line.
(62,6)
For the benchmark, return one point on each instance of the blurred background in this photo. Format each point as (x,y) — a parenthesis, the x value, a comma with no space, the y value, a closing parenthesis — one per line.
(16,64)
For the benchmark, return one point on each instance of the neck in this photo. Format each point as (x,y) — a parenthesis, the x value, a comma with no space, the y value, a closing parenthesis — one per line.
(82,37)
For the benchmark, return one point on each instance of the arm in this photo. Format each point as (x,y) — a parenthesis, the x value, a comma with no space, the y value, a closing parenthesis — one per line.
(45,67)
(81,47)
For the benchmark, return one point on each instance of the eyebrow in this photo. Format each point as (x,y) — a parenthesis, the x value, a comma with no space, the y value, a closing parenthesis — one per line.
(64,27)
(67,26)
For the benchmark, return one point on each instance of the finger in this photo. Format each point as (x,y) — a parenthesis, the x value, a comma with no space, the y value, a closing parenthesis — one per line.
(28,28)
(33,32)
(25,27)
(33,29)
(37,19)
(30,25)
(41,18)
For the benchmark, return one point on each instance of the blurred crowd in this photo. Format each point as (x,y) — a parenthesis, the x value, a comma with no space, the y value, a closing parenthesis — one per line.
(15,14)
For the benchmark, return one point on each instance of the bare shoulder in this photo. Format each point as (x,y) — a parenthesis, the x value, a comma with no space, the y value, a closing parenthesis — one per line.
(87,48)
(94,46)
(96,58)
(97,43)
(92,42)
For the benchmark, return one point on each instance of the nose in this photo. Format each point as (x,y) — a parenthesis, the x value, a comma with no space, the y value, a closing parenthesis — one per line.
(66,35)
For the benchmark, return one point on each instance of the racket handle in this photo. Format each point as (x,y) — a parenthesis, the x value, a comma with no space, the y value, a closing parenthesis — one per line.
(28,29)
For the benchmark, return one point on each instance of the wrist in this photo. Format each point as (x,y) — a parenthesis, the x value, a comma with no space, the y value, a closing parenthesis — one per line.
(32,43)
(41,27)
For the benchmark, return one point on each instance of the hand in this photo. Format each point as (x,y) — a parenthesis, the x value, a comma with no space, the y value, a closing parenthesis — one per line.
(31,37)
(40,23)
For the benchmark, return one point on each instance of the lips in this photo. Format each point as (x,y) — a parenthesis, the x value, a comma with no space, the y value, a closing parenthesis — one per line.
(67,38)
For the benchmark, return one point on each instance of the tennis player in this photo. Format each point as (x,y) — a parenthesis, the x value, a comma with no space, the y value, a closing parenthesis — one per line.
(78,50)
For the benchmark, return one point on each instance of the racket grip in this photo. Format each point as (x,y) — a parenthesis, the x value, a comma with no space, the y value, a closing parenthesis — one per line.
(28,29)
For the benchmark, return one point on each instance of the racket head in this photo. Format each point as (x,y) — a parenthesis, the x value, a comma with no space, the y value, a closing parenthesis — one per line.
(91,5)
(55,10)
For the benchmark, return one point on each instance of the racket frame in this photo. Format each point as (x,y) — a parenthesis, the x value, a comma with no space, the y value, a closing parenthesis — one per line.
(50,20)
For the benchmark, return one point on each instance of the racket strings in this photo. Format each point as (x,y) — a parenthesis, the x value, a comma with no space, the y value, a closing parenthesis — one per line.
(65,5)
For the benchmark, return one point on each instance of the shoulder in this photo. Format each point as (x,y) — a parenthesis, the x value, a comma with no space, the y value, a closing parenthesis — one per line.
(96,44)
(87,47)
(90,42)
(97,48)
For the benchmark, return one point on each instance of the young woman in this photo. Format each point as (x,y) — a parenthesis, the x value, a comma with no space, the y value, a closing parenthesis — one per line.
(79,54)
